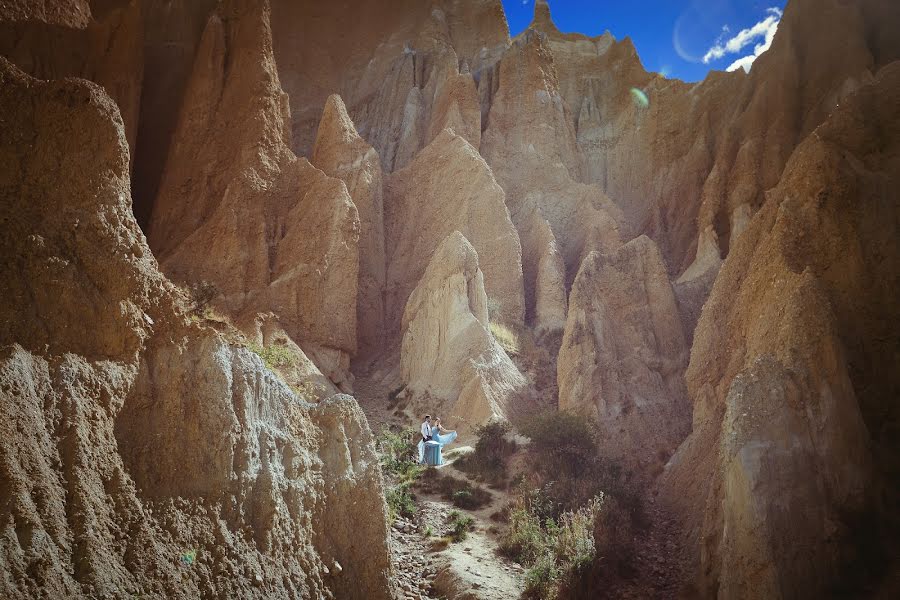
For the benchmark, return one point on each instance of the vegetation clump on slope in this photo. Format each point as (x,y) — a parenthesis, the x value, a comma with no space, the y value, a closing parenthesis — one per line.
(398,454)
(569,506)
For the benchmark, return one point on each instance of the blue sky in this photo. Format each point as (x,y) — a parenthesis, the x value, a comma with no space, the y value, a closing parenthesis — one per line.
(680,38)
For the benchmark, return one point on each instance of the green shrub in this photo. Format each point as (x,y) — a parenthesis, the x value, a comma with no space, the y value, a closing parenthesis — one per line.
(460,525)
(542,580)
(400,501)
(275,356)
(458,491)
(492,452)
(555,551)
(398,454)
(575,535)
(524,540)
(562,443)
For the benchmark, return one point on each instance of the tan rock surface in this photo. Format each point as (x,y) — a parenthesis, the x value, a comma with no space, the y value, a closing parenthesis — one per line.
(531,147)
(792,372)
(549,291)
(449,187)
(70,13)
(289,232)
(449,361)
(689,169)
(341,153)
(108,51)
(623,355)
(404,69)
(143,455)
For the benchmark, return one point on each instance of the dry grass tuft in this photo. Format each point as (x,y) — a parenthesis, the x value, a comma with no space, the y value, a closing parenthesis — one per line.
(506,337)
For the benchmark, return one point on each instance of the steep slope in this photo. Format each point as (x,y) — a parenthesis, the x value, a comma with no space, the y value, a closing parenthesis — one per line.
(530,145)
(400,76)
(268,230)
(793,371)
(341,153)
(623,355)
(449,360)
(142,454)
(447,188)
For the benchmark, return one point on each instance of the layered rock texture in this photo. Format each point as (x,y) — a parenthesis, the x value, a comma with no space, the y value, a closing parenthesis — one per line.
(449,358)
(144,455)
(353,190)
(341,153)
(290,233)
(797,400)
(623,355)
(449,187)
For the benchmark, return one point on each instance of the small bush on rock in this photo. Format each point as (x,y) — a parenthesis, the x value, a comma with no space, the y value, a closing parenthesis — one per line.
(275,356)
(506,337)
(460,525)
(492,452)
(398,455)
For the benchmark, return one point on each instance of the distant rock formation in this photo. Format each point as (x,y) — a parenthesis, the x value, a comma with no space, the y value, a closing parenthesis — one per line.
(449,355)
(623,355)
(530,145)
(447,188)
(341,153)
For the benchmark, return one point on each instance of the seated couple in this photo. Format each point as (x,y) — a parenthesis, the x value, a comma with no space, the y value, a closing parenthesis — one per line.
(434,437)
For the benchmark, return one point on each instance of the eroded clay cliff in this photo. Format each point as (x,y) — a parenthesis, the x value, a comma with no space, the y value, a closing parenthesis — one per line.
(449,359)
(794,398)
(142,453)
(623,355)
(267,229)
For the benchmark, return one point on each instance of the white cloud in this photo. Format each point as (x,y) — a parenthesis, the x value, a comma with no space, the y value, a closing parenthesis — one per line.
(746,61)
(765,28)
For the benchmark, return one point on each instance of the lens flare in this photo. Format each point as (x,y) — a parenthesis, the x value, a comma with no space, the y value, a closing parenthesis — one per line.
(640,98)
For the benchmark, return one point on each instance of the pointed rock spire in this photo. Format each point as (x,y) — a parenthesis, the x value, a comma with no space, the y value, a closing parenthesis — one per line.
(542,20)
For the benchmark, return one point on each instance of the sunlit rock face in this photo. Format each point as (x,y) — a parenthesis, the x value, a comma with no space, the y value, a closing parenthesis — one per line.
(447,188)
(341,153)
(692,166)
(449,360)
(789,368)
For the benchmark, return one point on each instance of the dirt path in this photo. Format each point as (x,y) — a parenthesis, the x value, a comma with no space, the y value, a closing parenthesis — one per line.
(426,565)
(430,566)
(473,568)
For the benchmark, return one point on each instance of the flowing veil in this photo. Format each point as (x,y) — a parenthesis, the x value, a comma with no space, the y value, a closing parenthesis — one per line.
(445,439)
